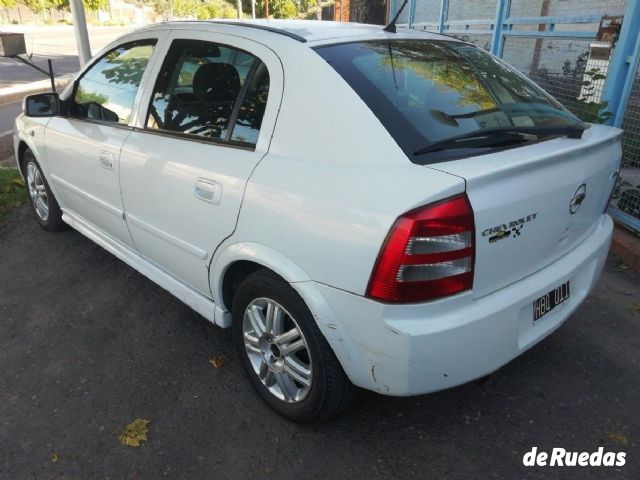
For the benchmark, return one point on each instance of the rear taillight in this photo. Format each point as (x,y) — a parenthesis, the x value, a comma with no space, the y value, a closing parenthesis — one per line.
(429,253)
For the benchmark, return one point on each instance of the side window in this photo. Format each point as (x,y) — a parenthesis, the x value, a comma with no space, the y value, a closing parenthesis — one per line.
(107,90)
(211,91)
(249,119)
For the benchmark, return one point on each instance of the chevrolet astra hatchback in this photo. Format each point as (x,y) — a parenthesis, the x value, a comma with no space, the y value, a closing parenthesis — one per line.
(395,211)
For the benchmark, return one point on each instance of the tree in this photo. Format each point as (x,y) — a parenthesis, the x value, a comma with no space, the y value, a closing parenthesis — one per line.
(282,8)
(36,6)
(204,9)
(96,4)
(216,9)
(64,4)
(185,8)
(161,7)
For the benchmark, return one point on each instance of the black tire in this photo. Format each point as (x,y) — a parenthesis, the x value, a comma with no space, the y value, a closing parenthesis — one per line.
(53,221)
(330,391)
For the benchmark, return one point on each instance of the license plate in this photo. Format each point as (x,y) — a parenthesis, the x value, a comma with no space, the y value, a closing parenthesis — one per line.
(551,300)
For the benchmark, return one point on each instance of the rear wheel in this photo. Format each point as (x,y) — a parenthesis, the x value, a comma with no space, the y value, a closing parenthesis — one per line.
(43,203)
(283,352)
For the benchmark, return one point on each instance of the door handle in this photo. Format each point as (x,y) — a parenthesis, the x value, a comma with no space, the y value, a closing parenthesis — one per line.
(106,159)
(208,190)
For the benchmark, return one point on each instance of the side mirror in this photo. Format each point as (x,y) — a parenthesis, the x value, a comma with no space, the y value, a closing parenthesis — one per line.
(41,105)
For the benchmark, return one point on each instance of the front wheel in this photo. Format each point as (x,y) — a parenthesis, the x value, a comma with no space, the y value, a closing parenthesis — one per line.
(43,203)
(283,352)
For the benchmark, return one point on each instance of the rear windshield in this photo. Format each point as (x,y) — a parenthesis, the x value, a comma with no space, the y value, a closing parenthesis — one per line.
(426,91)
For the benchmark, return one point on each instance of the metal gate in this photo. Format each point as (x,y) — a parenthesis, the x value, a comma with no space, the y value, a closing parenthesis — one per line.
(584,52)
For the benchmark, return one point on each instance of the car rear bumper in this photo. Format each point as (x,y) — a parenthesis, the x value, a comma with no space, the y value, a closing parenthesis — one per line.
(414,349)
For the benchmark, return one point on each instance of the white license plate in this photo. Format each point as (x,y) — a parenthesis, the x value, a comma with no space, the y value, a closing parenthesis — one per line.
(551,300)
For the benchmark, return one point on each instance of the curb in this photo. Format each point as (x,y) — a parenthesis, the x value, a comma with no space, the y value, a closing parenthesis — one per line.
(626,246)
(16,93)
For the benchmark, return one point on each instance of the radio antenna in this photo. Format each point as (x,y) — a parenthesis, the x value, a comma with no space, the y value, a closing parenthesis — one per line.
(391,28)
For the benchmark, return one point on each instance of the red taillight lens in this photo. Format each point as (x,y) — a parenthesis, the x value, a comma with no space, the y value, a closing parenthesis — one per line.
(429,253)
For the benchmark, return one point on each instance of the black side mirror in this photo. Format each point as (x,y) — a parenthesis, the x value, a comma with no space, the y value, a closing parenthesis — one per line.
(41,105)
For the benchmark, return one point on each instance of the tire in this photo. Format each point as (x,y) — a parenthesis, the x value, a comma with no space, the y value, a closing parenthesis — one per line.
(269,357)
(43,203)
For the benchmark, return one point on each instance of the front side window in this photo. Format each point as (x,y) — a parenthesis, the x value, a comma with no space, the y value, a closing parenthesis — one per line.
(107,90)
(427,92)
(211,91)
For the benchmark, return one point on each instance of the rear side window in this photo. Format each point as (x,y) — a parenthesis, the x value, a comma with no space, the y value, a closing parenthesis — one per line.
(426,91)
(210,91)
(107,90)
(247,124)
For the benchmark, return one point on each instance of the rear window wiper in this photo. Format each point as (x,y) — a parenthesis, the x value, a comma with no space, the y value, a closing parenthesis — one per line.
(497,136)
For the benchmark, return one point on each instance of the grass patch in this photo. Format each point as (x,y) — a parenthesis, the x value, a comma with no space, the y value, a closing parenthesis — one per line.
(13,192)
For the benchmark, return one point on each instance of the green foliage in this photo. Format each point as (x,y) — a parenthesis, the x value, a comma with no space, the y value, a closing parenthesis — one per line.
(588,110)
(201,9)
(216,9)
(8,3)
(38,6)
(12,190)
(84,97)
(96,4)
(161,7)
(281,8)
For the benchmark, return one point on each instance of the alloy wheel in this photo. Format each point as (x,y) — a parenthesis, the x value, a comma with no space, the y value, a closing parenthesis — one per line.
(38,191)
(277,350)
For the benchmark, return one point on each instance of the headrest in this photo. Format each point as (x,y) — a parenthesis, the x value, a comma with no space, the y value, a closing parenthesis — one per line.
(216,82)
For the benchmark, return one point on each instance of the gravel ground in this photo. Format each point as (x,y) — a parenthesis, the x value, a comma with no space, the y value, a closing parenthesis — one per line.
(87,345)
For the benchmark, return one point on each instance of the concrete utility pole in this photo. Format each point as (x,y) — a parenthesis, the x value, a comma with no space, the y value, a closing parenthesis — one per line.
(80,28)
(266,8)
(239,7)
(253,9)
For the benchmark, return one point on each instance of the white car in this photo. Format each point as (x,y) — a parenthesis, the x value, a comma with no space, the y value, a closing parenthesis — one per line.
(400,212)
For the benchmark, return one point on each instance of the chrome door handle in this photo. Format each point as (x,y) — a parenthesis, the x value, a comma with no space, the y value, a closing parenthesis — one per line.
(208,190)
(106,159)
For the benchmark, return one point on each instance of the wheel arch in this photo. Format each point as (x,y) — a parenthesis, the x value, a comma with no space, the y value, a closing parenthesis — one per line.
(241,259)
(20,151)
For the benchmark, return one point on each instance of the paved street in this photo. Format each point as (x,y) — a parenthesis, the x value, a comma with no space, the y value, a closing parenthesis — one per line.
(8,114)
(87,345)
(57,43)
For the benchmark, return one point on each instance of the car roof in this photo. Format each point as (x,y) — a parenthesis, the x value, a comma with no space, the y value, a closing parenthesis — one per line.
(310,31)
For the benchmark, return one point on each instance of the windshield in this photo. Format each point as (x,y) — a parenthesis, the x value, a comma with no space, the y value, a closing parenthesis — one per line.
(428,91)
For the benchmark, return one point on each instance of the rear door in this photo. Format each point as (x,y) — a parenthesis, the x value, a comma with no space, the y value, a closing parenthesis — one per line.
(534,204)
(207,120)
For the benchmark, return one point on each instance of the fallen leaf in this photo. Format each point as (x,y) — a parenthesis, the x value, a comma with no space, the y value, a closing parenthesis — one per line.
(618,437)
(219,361)
(54,457)
(622,266)
(636,307)
(19,182)
(135,433)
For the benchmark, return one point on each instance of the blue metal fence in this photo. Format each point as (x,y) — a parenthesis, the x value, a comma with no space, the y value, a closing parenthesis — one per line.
(554,42)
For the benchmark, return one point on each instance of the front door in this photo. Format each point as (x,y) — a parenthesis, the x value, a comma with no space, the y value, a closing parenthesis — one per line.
(83,146)
(185,167)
